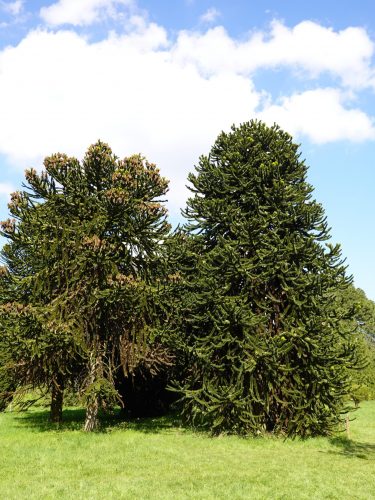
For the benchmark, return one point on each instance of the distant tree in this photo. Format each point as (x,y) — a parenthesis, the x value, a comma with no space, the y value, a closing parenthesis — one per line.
(362,322)
(90,235)
(263,333)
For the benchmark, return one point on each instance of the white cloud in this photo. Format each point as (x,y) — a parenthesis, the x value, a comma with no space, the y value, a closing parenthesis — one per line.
(321,116)
(13,8)
(141,92)
(60,93)
(308,46)
(210,16)
(80,12)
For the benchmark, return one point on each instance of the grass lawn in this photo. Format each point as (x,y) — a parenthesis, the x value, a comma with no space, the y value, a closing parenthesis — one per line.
(156,459)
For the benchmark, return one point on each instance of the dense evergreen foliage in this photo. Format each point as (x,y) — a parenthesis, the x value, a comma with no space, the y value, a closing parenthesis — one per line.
(247,308)
(83,246)
(7,381)
(267,343)
(37,353)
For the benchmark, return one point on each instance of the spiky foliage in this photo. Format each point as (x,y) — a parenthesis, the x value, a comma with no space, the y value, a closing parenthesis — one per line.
(38,354)
(262,329)
(147,389)
(89,234)
(7,377)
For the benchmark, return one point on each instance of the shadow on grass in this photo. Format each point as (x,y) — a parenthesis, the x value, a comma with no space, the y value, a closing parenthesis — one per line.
(352,449)
(73,420)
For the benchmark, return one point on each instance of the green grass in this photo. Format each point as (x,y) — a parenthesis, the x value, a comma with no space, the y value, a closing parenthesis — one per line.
(157,459)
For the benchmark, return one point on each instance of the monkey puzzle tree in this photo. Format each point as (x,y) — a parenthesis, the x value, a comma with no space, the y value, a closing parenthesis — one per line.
(267,351)
(96,228)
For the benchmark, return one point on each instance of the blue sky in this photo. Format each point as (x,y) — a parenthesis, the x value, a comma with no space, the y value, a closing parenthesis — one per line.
(165,77)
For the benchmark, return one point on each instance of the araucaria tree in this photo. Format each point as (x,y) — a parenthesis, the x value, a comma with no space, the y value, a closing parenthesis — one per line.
(89,235)
(267,352)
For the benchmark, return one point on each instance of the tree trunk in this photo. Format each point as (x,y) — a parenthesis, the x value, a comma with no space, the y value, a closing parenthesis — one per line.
(57,399)
(91,422)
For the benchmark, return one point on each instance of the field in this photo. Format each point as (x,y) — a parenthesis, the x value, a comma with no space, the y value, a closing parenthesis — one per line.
(158,459)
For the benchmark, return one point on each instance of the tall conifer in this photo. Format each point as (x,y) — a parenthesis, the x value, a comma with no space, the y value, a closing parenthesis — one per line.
(267,352)
(86,239)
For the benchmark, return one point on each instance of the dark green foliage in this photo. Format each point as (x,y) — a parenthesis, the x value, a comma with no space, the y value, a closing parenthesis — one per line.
(262,328)
(37,355)
(146,391)
(82,253)
(7,382)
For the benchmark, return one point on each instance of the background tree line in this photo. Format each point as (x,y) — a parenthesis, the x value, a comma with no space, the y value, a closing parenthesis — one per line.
(245,314)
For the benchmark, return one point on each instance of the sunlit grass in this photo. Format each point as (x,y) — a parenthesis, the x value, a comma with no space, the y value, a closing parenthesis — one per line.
(158,459)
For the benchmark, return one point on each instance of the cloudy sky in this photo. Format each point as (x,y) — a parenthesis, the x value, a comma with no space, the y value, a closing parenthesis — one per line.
(165,77)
